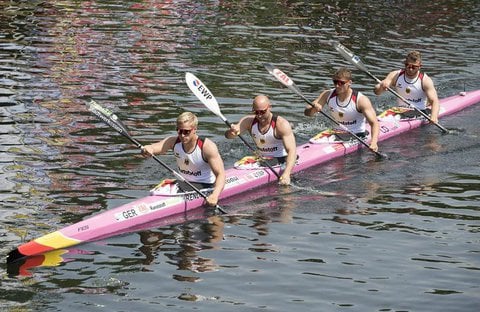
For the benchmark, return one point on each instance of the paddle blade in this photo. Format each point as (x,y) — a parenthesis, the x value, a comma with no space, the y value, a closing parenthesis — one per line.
(203,94)
(108,117)
(349,56)
(281,76)
(285,80)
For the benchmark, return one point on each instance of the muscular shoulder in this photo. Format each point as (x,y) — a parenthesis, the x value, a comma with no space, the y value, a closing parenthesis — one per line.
(246,122)
(248,118)
(393,75)
(169,142)
(363,101)
(283,126)
(209,147)
(427,80)
(326,94)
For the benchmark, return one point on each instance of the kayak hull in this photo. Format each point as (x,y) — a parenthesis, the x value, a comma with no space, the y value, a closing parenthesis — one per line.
(127,217)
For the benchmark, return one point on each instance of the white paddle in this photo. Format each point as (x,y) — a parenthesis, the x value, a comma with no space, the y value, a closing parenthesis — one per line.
(206,97)
(286,81)
(108,117)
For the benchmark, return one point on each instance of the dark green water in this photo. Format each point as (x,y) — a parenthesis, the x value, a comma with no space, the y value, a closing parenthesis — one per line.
(396,235)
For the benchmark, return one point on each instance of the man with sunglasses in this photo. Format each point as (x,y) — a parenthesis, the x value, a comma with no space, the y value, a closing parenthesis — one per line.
(272,135)
(415,86)
(348,107)
(198,159)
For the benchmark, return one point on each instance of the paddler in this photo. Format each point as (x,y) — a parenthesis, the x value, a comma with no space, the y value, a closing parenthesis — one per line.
(198,159)
(272,135)
(413,85)
(349,107)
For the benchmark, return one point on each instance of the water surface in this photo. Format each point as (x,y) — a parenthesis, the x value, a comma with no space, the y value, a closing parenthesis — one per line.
(358,235)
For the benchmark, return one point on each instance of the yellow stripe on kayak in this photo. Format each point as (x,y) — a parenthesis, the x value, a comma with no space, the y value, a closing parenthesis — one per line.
(57,240)
(54,240)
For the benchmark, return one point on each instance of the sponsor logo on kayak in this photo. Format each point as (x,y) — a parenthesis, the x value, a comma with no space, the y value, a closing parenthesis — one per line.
(132,212)
(255,175)
(83,228)
(127,214)
(155,207)
(193,196)
(231,180)
(385,129)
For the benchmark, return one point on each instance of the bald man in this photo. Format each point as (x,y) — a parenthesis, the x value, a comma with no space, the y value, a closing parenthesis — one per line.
(272,135)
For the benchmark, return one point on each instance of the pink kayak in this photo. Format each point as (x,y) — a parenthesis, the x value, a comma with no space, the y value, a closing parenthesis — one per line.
(127,217)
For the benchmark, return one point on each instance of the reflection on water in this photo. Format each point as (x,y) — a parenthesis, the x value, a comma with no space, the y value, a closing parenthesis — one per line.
(354,231)
(49,259)
(192,240)
(189,240)
(461,191)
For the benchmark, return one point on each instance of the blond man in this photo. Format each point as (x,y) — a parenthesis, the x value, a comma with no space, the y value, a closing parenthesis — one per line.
(198,159)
